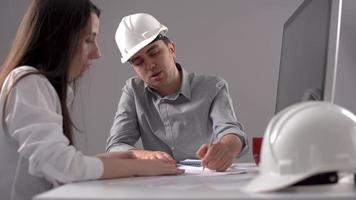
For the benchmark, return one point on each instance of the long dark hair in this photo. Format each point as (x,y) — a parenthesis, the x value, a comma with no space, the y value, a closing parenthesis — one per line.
(46,39)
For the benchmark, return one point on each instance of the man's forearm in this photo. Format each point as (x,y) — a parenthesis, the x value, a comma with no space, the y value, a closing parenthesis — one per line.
(118,147)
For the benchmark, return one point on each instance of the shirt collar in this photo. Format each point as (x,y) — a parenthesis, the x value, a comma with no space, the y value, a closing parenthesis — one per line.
(185,88)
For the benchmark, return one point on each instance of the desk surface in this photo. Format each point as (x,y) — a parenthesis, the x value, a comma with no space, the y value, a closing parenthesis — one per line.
(191,187)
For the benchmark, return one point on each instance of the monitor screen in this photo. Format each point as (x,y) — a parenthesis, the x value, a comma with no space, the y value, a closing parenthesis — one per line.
(304,54)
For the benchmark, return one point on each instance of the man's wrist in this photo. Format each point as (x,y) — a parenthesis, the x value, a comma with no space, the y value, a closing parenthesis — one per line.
(233,142)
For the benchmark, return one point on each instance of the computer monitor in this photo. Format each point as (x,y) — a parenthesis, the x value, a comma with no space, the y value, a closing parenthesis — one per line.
(309,53)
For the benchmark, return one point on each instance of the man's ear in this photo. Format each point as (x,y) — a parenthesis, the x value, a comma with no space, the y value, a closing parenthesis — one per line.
(172,49)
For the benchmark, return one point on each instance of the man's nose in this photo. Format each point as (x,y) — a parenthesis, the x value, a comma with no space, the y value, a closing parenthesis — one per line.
(150,64)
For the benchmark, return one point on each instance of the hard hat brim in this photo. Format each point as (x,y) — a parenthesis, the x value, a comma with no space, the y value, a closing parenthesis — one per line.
(268,183)
(141,45)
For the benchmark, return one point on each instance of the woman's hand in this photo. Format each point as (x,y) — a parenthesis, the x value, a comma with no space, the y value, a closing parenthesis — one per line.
(152,155)
(156,167)
(120,164)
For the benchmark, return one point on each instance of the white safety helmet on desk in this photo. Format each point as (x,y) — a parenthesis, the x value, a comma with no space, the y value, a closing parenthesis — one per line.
(135,32)
(305,140)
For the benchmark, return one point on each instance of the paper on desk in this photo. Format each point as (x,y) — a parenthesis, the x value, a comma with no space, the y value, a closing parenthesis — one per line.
(198,171)
(234,178)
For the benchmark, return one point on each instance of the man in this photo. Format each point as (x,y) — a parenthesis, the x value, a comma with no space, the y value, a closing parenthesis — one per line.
(177,115)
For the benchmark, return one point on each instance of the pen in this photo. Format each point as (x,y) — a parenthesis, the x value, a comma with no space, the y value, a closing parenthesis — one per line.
(212,137)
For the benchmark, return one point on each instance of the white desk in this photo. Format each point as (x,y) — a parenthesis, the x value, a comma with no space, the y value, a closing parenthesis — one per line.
(189,187)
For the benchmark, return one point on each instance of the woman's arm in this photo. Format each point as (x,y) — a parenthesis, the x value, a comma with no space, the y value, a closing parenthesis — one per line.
(33,118)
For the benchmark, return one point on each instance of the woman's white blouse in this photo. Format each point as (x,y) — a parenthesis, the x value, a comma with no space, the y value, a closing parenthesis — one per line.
(34,152)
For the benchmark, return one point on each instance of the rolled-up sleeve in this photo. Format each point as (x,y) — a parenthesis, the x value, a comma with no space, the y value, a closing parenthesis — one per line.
(223,116)
(124,132)
(33,118)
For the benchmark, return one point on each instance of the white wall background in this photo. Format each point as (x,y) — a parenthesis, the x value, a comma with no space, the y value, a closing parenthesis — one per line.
(239,40)
(345,90)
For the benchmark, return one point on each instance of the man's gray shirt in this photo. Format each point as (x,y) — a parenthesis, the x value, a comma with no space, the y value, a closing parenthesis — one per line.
(179,123)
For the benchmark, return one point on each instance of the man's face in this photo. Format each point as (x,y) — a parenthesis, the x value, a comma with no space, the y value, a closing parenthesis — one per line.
(155,65)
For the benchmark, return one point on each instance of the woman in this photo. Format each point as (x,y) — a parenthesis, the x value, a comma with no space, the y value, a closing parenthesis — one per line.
(55,44)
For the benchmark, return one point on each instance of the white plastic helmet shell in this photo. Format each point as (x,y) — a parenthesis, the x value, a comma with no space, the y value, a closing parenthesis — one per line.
(135,32)
(303,140)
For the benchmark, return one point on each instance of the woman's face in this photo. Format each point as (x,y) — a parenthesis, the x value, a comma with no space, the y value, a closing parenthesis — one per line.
(87,49)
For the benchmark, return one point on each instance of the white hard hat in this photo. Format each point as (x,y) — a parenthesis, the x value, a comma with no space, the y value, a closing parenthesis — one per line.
(135,32)
(304,140)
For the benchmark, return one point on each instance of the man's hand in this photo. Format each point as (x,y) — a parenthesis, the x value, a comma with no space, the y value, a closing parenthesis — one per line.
(220,155)
(152,155)
(216,156)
